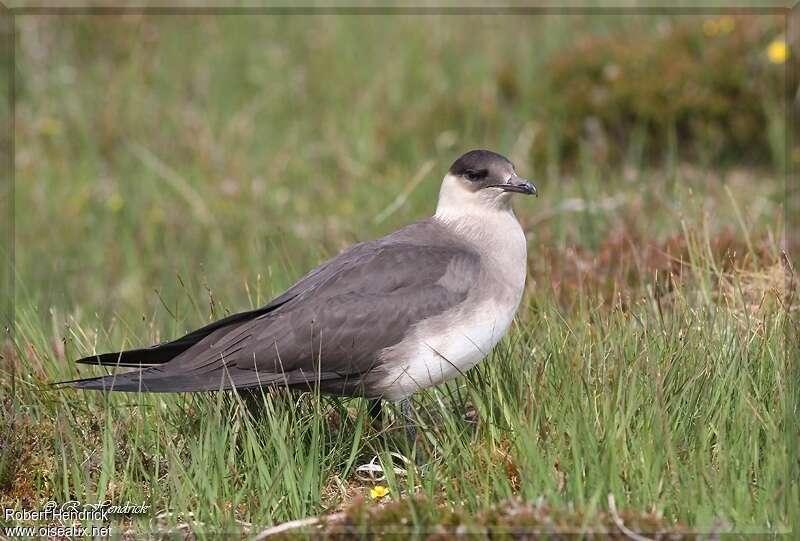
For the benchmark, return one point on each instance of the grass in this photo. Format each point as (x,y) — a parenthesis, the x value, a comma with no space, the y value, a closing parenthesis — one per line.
(157,190)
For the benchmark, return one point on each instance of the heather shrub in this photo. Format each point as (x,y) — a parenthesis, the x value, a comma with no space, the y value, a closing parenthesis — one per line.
(708,88)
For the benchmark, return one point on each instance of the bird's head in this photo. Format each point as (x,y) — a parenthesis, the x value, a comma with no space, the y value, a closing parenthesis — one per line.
(479,181)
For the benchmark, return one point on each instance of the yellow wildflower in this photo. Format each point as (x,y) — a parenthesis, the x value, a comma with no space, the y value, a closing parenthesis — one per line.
(777,52)
(710,27)
(722,25)
(726,24)
(378,492)
(115,202)
(50,126)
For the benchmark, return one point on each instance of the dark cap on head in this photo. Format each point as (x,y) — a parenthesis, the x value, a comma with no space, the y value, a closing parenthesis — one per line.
(480,169)
(476,160)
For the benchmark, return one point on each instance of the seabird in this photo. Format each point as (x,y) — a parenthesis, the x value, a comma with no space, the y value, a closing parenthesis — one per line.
(382,320)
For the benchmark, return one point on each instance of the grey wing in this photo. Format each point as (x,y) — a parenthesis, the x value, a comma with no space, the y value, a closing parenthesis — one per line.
(167,351)
(365,300)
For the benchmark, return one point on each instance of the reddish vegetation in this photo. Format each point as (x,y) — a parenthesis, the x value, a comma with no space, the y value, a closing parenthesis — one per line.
(625,264)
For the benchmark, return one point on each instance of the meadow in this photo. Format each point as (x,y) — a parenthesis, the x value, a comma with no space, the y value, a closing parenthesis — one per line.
(174,169)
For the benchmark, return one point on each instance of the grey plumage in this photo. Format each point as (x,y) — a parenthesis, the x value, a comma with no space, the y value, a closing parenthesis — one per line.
(364,300)
(382,319)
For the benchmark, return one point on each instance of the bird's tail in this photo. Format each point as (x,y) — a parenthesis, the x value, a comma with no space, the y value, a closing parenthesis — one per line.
(156,380)
(151,360)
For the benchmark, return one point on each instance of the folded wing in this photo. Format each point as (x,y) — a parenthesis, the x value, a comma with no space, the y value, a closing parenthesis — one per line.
(328,329)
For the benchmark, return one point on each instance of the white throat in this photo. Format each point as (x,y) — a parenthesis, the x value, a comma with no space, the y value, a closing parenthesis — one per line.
(449,344)
(457,201)
(486,220)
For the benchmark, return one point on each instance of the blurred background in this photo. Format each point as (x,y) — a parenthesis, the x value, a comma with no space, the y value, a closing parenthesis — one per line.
(172,168)
(161,159)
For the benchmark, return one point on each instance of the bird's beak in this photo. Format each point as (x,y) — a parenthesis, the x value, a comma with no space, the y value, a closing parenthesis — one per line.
(518,185)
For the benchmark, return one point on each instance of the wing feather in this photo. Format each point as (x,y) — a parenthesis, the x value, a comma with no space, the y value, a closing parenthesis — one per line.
(329,327)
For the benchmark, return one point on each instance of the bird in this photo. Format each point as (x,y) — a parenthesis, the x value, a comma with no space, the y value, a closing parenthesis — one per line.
(382,320)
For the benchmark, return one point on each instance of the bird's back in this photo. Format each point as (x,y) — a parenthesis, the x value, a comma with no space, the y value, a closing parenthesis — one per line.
(330,328)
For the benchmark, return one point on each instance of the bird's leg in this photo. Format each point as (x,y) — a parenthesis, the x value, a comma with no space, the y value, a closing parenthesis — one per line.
(411,431)
(375,410)
(410,426)
(253,400)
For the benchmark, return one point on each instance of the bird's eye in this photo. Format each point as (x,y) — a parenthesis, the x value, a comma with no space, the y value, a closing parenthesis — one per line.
(473,175)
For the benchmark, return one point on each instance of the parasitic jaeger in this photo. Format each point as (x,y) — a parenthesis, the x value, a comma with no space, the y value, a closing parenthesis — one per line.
(382,320)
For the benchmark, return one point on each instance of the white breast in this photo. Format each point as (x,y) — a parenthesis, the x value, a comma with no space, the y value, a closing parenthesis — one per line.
(448,345)
(435,354)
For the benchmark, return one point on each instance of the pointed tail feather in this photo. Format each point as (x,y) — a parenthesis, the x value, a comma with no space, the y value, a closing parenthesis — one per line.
(139,358)
(156,380)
